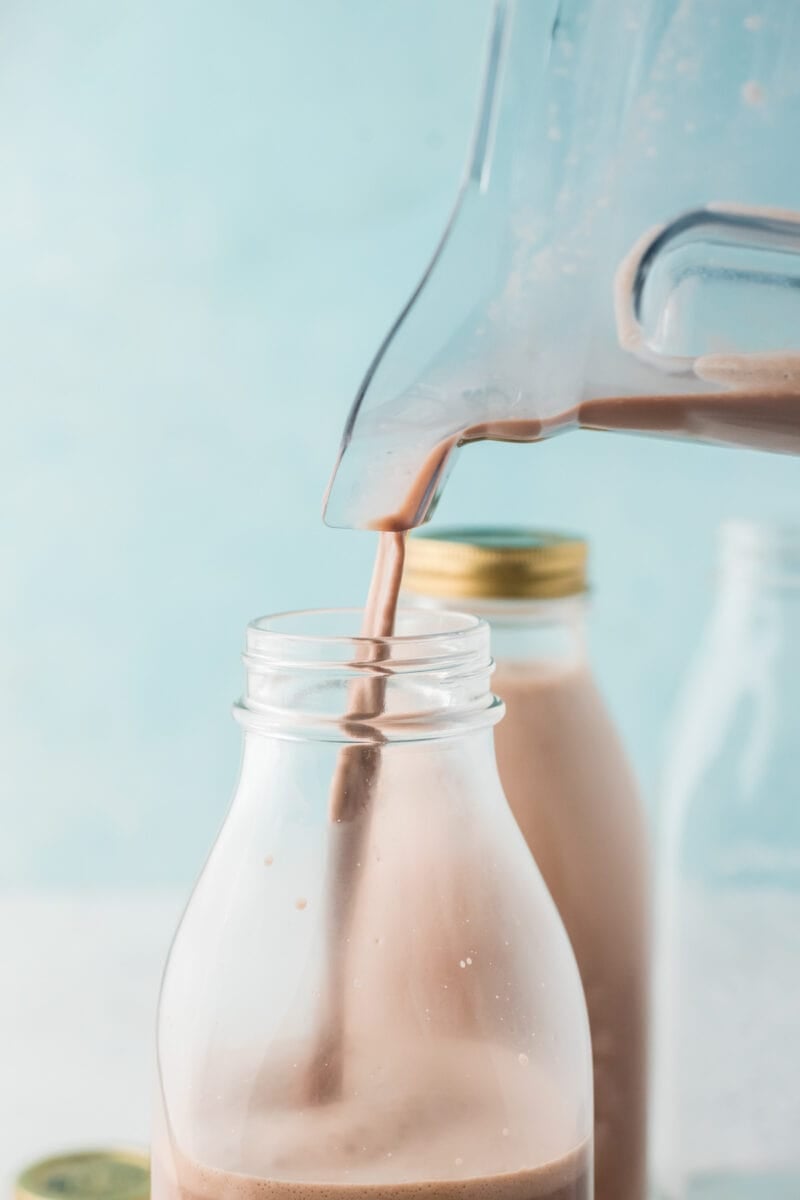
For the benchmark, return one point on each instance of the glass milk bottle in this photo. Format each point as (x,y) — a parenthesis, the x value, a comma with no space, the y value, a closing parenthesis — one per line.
(572,793)
(371,993)
(727,1047)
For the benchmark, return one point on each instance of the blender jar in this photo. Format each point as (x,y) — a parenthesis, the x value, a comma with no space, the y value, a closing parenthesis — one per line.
(623,254)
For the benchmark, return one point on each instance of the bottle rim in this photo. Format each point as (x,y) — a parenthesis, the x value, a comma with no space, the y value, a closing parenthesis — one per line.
(305,670)
(323,638)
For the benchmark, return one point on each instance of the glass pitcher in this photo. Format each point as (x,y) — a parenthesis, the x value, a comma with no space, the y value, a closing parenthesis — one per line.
(727,1019)
(624,252)
(382,1003)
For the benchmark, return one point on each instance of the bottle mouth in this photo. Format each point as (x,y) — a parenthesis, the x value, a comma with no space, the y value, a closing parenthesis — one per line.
(314,673)
(331,637)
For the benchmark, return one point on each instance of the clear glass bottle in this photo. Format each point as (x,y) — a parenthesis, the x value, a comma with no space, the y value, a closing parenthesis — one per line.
(727,1045)
(376,998)
(572,792)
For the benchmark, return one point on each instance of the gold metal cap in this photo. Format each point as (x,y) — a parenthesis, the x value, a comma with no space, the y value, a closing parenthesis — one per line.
(87,1175)
(498,564)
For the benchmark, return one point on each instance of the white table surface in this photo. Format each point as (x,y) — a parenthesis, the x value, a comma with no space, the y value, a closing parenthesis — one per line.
(80,979)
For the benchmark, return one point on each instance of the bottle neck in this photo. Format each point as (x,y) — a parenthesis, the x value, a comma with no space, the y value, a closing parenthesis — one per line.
(312,676)
(757,606)
(526,630)
(760,564)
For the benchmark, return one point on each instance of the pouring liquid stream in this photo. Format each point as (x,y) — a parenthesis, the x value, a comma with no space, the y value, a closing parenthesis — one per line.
(350,808)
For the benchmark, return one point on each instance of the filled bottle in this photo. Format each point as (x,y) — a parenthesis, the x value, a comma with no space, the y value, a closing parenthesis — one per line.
(572,792)
(727,1021)
(371,993)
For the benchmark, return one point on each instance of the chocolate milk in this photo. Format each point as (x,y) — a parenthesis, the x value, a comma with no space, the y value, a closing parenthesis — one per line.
(759,409)
(563,1180)
(354,779)
(566,1179)
(429,1125)
(572,793)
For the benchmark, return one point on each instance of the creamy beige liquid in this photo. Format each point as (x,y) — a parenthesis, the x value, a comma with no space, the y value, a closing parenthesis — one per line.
(572,793)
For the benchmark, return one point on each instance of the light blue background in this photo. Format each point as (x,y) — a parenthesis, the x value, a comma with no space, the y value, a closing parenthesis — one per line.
(209,214)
